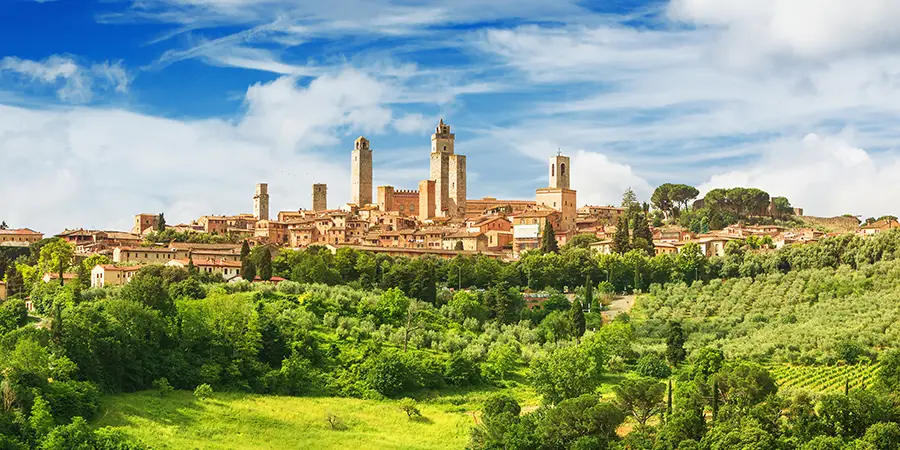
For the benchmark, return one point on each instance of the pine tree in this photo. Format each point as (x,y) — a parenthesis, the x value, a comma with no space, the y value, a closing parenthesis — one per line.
(621,243)
(548,240)
(161,223)
(265,265)
(576,313)
(4,226)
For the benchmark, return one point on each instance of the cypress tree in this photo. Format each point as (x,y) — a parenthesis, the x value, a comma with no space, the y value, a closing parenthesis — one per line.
(548,240)
(248,269)
(265,265)
(621,243)
(669,401)
(642,237)
(588,293)
(715,400)
(161,223)
(675,344)
(577,315)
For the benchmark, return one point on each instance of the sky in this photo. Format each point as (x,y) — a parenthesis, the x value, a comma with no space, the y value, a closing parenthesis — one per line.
(109,108)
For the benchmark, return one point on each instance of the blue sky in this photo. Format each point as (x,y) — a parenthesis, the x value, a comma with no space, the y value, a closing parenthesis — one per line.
(113,107)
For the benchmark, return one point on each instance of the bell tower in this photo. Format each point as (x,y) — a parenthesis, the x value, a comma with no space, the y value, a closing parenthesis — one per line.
(559,171)
(361,172)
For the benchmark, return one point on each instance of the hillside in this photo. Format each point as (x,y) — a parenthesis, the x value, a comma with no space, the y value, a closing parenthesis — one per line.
(839,224)
(241,421)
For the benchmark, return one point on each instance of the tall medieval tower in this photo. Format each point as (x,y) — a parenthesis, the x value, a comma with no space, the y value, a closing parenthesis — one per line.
(361,172)
(319,197)
(559,171)
(448,171)
(261,202)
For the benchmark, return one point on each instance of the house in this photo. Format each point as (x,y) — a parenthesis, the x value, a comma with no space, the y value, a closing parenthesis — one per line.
(603,247)
(228,269)
(709,245)
(528,227)
(54,277)
(489,223)
(664,248)
(879,226)
(471,242)
(499,239)
(103,275)
(20,237)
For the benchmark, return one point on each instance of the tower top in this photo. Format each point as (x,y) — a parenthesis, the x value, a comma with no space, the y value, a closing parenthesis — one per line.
(361,143)
(442,128)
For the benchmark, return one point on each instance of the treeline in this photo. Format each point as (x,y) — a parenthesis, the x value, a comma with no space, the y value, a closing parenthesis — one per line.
(711,404)
(574,264)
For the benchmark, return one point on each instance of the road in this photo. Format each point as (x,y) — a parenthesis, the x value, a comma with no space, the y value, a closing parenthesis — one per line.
(619,304)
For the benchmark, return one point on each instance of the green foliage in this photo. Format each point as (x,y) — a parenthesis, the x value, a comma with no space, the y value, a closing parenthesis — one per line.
(653,365)
(566,373)
(580,422)
(675,353)
(641,398)
(203,391)
(548,240)
(148,289)
(162,385)
(41,420)
(621,241)
(576,315)
(410,407)
(13,314)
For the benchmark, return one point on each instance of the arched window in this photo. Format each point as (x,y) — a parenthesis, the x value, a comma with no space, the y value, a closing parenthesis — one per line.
(552,170)
(412,208)
(562,170)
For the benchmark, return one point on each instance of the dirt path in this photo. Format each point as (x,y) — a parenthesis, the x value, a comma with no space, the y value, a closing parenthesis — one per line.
(619,304)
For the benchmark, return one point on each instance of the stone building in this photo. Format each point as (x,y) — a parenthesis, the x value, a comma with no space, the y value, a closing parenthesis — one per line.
(21,237)
(319,197)
(143,222)
(448,171)
(261,202)
(361,172)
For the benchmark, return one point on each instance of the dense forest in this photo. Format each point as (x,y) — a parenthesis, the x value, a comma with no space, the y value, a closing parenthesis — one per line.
(352,324)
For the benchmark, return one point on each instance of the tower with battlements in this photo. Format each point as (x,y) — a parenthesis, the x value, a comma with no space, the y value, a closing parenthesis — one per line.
(448,171)
(261,202)
(361,172)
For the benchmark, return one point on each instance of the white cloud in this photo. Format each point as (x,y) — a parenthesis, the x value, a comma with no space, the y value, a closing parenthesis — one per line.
(600,181)
(85,167)
(806,29)
(414,123)
(73,82)
(824,175)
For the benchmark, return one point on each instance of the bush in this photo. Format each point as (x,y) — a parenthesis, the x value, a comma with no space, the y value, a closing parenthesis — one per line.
(653,365)
(163,386)
(388,375)
(461,371)
(410,407)
(203,391)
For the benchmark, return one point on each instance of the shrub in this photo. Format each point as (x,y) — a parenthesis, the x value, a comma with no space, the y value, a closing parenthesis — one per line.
(203,391)
(410,407)
(163,386)
(461,371)
(653,365)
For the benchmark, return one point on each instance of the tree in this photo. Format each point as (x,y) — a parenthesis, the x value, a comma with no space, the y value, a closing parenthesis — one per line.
(652,365)
(580,422)
(583,240)
(576,315)
(248,268)
(264,264)
(680,195)
(630,201)
(501,360)
(675,353)
(621,242)
(641,398)
(161,223)
(642,237)
(661,199)
(588,294)
(413,320)
(566,373)
(148,289)
(410,407)
(548,240)
(203,391)
(55,255)
(3,225)
(41,419)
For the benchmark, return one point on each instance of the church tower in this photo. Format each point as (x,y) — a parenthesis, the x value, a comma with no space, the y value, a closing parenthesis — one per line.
(319,197)
(261,202)
(559,171)
(448,171)
(361,172)
(558,195)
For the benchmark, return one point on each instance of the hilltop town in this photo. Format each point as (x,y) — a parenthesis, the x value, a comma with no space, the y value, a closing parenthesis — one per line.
(437,220)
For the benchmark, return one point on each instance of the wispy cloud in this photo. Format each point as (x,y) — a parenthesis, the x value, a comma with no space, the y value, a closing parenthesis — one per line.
(73,83)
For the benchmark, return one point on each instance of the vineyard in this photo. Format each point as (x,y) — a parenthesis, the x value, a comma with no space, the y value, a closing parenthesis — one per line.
(824,378)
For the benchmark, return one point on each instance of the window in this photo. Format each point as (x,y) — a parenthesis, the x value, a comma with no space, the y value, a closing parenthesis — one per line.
(552,170)
(562,170)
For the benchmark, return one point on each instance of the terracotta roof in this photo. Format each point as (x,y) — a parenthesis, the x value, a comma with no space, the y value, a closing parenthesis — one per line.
(114,267)
(20,231)
(207,263)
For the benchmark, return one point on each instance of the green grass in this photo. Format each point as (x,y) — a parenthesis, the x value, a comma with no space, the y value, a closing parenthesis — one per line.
(242,421)
(820,379)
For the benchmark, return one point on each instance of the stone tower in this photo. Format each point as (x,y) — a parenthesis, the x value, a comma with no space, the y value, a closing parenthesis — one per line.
(448,171)
(559,171)
(261,202)
(361,172)
(320,197)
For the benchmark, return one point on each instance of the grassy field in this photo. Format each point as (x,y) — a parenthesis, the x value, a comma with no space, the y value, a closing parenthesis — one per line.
(240,421)
(824,378)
